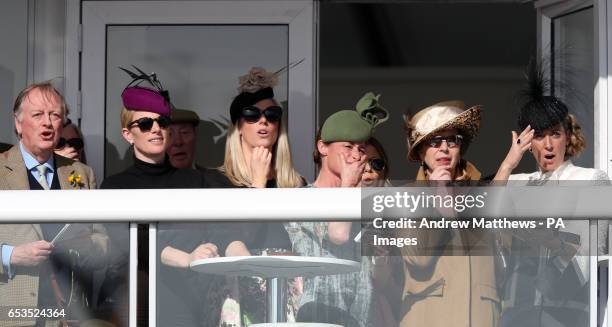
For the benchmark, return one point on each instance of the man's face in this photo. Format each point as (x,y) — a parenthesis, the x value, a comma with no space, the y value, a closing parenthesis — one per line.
(40,123)
(182,148)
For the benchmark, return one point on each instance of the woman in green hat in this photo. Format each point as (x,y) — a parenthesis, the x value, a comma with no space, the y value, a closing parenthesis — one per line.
(341,156)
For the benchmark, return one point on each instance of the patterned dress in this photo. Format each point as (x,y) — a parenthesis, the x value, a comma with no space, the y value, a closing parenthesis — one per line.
(343,299)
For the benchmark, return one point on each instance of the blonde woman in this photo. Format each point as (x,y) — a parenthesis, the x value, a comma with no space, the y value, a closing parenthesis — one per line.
(257,155)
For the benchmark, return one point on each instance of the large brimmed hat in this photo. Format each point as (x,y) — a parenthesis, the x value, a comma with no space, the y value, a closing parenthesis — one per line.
(438,117)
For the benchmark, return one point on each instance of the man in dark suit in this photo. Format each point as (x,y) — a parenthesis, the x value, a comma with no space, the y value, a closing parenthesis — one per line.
(34,271)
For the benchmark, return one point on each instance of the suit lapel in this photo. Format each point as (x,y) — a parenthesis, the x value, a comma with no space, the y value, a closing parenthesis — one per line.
(16,176)
(64,170)
(14,171)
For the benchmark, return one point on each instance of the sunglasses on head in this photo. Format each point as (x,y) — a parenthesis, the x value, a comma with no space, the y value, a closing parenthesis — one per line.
(451,141)
(377,164)
(252,114)
(146,123)
(76,143)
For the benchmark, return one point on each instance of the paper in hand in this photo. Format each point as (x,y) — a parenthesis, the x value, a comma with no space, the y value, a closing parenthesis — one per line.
(69,231)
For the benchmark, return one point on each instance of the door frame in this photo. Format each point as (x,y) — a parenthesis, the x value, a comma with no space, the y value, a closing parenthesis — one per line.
(89,43)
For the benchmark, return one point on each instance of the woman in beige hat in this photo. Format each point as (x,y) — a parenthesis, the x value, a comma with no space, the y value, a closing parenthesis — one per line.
(451,286)
(438,136)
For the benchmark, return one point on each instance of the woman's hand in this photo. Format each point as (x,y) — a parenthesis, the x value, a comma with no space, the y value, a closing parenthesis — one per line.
(261,159)
(176,258)
(350,174)
(520,144)
(203,251)
(441,173)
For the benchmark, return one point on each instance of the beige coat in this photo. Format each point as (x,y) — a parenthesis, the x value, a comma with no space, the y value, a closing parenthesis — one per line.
(450,277)
(22,289)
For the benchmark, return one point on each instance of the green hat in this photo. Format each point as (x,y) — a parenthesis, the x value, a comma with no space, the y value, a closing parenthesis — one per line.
(181,116)
(355,125)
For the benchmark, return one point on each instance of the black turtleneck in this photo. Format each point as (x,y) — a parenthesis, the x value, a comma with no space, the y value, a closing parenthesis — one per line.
(144,175)
(179,289)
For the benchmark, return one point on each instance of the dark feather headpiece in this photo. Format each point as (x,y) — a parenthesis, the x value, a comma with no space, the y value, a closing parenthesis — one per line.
(540,109)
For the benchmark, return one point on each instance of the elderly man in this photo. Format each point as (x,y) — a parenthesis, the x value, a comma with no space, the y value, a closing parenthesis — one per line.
(182,149)
(36,272)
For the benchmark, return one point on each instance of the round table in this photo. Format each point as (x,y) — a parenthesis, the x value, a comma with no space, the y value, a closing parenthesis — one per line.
(274,268)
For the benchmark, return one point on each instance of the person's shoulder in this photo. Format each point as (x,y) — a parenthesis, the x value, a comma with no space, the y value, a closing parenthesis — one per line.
(116,181)
(5,147)
(586,174)
(216,178)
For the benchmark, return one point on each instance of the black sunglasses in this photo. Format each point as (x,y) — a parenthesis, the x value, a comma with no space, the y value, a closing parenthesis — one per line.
(377,164)
(451,141)
(76,143)
(252,114)
(146,123)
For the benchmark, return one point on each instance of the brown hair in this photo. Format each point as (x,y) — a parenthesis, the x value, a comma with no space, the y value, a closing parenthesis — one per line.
(576,141)
(383,155)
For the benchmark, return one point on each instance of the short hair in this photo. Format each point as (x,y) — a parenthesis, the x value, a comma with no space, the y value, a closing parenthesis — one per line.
(47,89)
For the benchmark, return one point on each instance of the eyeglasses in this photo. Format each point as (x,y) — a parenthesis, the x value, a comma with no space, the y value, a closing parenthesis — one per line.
(76,143)
(377,164)
(146,123)
(451,141)
(252,114)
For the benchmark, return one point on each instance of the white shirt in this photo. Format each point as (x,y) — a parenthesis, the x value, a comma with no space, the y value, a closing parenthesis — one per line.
(565,172)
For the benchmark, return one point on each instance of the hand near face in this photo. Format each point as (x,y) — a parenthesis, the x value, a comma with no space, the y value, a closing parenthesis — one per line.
(31,254)
(441,173)
(351,172)
(204,251)
(520,144)
(518,148)
(261,159)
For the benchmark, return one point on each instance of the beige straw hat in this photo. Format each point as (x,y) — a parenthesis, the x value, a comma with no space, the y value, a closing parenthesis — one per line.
(438,117)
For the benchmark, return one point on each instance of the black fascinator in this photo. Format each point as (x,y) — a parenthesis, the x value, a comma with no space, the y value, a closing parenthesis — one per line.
(540,109)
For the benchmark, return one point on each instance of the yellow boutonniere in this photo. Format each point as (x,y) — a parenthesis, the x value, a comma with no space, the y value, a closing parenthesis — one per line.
(75,180)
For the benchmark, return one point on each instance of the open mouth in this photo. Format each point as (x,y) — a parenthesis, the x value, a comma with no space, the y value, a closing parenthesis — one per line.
(47,135)
(549,156)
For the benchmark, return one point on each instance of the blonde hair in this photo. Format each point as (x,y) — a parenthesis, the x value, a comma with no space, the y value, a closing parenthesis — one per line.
(576,141)
(126,117)
(236,169)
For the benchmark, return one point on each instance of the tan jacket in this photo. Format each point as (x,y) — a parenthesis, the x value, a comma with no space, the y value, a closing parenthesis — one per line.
(450,277)
(22,289)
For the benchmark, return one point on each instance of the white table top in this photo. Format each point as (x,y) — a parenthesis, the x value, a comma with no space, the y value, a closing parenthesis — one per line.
(275,266)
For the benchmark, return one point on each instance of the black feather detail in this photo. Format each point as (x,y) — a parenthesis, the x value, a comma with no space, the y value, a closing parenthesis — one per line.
(141,76)
(540,110)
